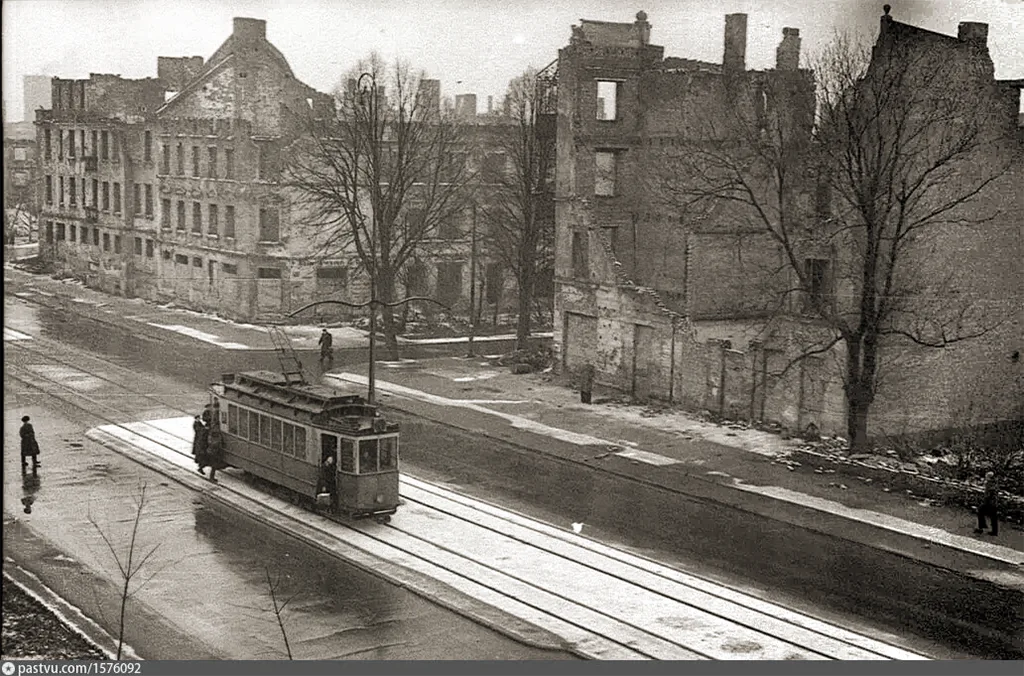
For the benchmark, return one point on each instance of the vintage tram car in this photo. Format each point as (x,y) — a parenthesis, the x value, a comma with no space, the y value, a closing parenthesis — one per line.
(283,431)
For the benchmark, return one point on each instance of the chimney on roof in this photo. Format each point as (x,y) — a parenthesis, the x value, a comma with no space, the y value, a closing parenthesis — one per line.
(734,59)
(643,28)
(974,32)
(787,56)
(249,30)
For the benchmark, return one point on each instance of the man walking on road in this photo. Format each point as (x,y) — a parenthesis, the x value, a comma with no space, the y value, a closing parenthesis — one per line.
(988,507)
(326,348)
(29,445)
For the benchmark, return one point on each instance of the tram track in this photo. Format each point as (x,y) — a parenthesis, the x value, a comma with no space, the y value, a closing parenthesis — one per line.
(794,635)
(71,400)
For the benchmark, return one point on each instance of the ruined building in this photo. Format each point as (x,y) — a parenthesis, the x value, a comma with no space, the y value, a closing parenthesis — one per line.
(687,301)
(169,189)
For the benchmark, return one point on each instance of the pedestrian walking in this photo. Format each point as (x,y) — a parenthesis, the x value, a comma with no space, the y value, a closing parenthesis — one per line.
(989,505)
(215,444)
(586,382)
(199,443)
(326,343)
(29,445)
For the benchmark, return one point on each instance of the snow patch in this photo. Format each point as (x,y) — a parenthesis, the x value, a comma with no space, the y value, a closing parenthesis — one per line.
(200,335)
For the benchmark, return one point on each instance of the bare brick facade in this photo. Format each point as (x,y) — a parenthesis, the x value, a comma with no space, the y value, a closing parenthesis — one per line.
(685,305)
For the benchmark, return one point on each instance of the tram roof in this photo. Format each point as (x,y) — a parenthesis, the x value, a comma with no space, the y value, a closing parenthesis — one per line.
(274,386)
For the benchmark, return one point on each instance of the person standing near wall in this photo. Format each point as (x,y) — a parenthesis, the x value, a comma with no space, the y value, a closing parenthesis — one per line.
(586,382)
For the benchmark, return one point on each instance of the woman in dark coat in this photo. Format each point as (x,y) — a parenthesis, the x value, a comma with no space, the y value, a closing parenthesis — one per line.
(29,445)
(199,443)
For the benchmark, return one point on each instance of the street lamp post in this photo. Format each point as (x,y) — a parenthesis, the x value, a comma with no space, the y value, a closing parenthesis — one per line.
(372,129)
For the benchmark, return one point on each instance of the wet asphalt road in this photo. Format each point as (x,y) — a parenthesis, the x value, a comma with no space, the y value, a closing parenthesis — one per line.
(853,585)
(206,592)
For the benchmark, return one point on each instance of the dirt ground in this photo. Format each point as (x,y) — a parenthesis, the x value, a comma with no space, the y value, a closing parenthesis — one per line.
(31,632)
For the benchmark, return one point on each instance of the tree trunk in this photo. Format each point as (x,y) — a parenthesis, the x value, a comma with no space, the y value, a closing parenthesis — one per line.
(861,360)
(857,423)
(525,313)
(526,279)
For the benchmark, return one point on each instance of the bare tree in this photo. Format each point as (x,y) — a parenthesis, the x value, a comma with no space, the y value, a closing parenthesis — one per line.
(130,562)
(381,177)
(273,584)
(517,203)
(19,209)
(853,198)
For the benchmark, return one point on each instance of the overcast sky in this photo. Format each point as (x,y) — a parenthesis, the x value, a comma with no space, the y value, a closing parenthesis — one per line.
(472,46)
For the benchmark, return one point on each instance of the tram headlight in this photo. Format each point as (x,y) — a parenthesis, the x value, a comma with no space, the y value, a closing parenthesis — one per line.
(379,499)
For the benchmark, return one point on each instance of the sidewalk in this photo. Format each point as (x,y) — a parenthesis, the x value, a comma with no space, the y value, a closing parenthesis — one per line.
(204,327)
(671,449)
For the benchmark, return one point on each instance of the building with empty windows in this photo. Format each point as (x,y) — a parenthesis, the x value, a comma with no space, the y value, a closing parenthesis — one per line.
(169,189)
(692,301)
(166,188)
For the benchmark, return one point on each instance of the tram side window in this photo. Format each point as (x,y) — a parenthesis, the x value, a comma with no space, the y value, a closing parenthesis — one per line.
(243,423)
(300,442)
(367,455)
(275,434)
(388,446)
(347,457)
(288,440)
(254,427)
(265,436)
(232,419)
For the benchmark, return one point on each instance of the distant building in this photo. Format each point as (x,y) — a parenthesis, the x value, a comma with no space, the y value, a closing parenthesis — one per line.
(465,106)
(36,95)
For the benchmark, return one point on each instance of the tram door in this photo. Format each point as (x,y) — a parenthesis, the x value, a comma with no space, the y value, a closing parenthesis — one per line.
(328,447)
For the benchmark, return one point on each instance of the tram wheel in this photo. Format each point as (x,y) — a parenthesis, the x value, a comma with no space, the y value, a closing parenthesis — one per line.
(383,519)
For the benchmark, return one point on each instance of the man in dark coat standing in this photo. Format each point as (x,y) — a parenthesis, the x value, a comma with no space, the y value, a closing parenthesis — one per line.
(989,507)
(29,445)
(326,343)
(199,441)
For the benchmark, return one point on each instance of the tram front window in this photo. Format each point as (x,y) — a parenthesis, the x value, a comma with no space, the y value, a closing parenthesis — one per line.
(388,446)
(347,457)
(367,455)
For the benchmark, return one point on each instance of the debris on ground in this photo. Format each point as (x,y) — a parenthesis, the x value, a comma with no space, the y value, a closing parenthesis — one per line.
(31,631)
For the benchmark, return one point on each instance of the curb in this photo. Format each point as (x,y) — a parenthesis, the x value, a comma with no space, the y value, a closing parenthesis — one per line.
(70,616)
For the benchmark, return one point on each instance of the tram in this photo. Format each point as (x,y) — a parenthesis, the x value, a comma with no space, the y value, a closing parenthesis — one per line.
(283,431)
